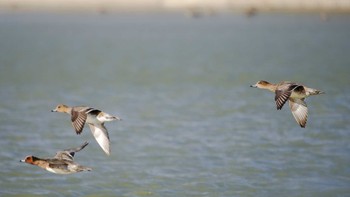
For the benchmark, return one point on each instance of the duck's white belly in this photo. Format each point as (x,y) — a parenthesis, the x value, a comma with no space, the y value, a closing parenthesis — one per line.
(91,119)
(297,95)
(58,171)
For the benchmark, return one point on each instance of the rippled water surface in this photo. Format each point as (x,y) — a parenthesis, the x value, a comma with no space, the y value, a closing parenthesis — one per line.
(191,124)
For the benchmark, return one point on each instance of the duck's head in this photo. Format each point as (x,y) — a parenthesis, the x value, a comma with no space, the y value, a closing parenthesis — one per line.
(260,84)
(29,159)
(60,108)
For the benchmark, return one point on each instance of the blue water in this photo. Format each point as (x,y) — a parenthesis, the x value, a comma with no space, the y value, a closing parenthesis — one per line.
(191,124)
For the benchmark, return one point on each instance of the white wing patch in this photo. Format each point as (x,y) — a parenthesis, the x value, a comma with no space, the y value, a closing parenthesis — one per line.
(299,111)
(101,135)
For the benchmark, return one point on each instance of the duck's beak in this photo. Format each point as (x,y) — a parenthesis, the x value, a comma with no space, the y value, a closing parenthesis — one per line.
(22,160)
(53,110)
(253,86)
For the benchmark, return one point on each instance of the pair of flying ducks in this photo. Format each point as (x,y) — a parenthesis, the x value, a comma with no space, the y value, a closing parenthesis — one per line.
(62,162)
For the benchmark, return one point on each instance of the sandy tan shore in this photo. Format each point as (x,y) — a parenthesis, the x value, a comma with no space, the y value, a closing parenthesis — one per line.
(176,5)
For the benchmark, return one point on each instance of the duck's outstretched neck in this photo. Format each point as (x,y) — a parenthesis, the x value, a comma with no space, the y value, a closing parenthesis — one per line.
(269,86)
(272,87)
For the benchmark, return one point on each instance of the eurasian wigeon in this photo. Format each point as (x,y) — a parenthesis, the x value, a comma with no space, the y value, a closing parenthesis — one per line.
(94,118)
(62,163)
(295,93)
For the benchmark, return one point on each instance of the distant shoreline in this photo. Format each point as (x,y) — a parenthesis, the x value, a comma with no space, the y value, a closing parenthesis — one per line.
(194,6)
